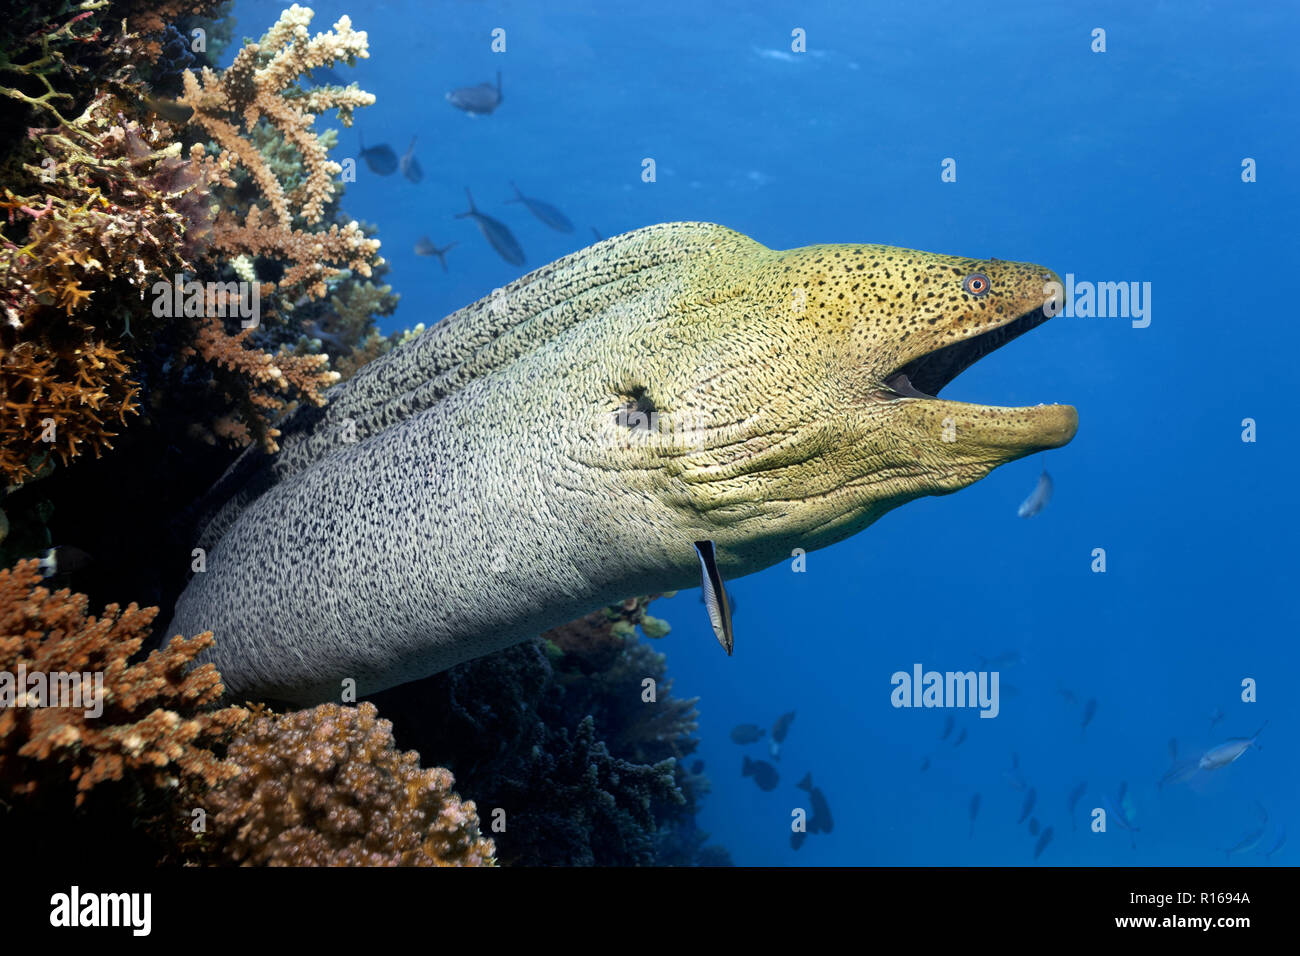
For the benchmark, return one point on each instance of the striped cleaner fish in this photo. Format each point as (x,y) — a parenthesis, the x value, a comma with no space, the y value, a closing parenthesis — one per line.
(566,442)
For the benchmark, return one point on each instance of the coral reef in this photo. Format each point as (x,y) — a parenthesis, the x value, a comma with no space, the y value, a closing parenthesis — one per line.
(557,733)
(117,196)
(152,744)
(312,787)
(107,189)
(326,787)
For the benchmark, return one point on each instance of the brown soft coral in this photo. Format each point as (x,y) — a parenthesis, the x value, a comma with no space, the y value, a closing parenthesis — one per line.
(158,724)
(326,787)
(118,207)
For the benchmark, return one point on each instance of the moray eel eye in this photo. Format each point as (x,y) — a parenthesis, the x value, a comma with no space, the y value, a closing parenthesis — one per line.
(976,283)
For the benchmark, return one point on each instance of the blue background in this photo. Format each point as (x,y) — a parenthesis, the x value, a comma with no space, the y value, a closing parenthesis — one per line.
(1122,166)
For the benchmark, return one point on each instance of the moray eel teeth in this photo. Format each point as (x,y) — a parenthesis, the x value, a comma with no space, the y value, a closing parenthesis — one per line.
(676,405)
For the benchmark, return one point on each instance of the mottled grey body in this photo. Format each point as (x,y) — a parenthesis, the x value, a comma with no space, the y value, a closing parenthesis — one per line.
(564,443)
(477,507)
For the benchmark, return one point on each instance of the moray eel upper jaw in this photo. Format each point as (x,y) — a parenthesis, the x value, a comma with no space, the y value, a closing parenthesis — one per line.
(860,340)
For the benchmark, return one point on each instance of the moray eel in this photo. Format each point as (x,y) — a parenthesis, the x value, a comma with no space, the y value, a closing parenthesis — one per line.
(563,443)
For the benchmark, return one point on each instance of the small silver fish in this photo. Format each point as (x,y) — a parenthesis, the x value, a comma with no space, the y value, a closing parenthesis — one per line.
(1089,711)
(1277,843)
(424,247)
(1075,795)
(1030,798)
(1120,811)
(1252,839)
(1038,498)
(1043,840)
(1228,751)
(495,232)
(409,165)
(543,211)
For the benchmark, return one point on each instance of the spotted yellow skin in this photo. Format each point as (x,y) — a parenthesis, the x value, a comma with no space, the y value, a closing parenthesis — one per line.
(560,445)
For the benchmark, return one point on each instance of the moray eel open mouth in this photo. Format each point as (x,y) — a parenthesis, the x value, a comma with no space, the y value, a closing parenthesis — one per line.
(926,376)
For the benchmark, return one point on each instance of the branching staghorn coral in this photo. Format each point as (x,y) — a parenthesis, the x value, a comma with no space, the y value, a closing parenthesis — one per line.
(326,787)
(108,203)
(158,722)
(261,85)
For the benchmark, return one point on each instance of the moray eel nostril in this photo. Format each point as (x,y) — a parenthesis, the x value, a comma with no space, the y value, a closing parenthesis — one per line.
(482,483)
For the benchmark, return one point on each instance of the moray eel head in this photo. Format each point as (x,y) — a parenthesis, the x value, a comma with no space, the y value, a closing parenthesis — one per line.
(822,394)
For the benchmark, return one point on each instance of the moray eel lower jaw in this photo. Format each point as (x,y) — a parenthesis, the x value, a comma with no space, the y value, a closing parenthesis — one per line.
(831,459)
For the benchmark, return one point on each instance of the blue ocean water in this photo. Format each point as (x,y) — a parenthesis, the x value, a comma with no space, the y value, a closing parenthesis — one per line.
(1117,166)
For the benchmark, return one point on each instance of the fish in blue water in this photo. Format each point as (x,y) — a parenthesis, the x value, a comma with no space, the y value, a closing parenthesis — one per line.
(974,812)
(1014,778)
(1089,711)
(424,247)
(948,723)
(595,233)
(1038,498)
(380,159)
(1008,658)
(820,821)
(1073,800)
(1278,842)
(1043,840)
(1253,838)
(961,739)
(764,773)
(1215,716)
(543,211)
(1120,811)
(1229,751)
(1030,798)
(797,838)
(1180,772)
(478,100)
(495,232)
(409,165)
(714,593)
(779,729)
(1033,826)
(746,733)
(925,764)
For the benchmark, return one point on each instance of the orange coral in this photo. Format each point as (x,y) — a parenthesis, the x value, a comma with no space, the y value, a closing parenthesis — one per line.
(327,787)
(260,85)
(157,724)
(308,375)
